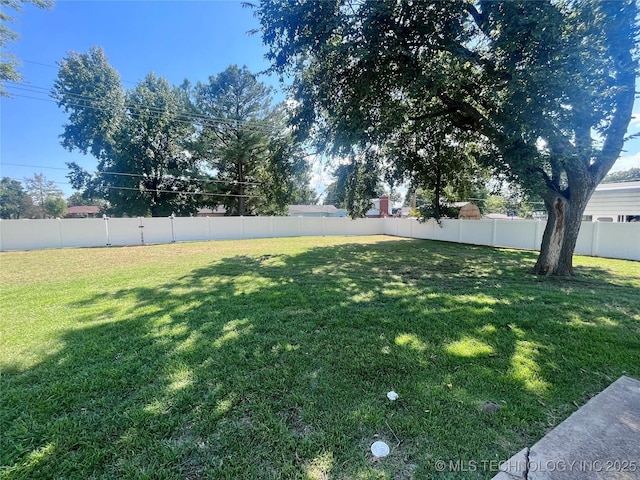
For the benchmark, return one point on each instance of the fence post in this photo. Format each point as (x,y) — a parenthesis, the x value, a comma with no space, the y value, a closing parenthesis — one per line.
(494,233)
(594,239)
(59,230)
(106,228)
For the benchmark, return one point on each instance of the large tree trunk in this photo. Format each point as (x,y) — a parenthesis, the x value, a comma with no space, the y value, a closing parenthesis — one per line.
(561,233)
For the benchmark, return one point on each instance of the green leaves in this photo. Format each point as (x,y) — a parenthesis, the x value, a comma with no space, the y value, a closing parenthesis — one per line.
(88,88)
(259,167)
(513,75)
(139,138)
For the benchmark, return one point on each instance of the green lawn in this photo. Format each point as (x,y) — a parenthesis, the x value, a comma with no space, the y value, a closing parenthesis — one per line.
(272,358)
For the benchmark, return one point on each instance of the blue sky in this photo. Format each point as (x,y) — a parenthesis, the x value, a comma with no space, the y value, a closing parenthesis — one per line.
(174,39)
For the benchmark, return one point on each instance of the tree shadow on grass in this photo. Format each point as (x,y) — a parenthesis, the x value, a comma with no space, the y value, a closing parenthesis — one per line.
(277,366)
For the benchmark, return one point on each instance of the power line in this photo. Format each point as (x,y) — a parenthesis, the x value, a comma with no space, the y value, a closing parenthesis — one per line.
(177,192)
(186,117)
(182,177)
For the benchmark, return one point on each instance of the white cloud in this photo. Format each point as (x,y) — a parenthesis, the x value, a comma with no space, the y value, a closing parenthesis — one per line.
(626,162)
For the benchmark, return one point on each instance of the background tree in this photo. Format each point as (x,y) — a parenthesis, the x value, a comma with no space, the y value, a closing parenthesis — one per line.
(536,81)
(630,175)
(40,190)
(257,164)
(139,138)
(76,199)
(285,178)
(437,159)
(55,207)
(89,90)
(337,190)
(8,62)
(13,199)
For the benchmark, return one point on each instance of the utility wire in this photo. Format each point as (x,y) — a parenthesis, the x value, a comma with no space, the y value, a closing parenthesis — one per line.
(182,116)
(182,177)
(177,192)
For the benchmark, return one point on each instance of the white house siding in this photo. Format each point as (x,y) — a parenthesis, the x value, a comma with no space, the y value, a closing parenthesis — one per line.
(614,202)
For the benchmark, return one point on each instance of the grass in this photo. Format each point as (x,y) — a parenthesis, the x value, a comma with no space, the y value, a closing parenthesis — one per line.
(272,358)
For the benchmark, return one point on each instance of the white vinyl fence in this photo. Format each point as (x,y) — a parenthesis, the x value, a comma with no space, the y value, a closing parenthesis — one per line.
(613,240)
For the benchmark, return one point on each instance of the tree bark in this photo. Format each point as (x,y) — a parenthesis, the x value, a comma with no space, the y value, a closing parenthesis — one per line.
(561,232)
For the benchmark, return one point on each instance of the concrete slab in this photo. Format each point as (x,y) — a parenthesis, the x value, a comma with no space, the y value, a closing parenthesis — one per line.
(599,441)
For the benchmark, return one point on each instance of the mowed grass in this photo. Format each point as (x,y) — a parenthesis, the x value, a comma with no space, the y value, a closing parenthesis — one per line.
(272,358)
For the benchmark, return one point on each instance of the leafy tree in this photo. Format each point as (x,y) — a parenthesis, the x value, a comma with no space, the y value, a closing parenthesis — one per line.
(630,175)
(535,81)
(55,206)
(8,62)
(89,90)
(77,199)
(441,160)
(495,204)
(12,199)
(285,178)
(139,138)
(40,190)
(258,165)
(337,190)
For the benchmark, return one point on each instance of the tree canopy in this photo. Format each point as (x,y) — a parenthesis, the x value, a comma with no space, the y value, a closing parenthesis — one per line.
(14,201)
(163,149)
(47,197)
(630,175)
(546,87)
(258,165)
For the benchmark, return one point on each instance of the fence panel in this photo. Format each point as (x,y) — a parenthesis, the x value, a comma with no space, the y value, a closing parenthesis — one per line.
(225,228)
(311,226)
(286,226)
(364,226)
(586,239)
(257,227)
(516,234)
(158,229)
(447,231)
(124,231)
(29,234)
(87,232)
(617,240)
(335,226)
(476,232)
(190,229)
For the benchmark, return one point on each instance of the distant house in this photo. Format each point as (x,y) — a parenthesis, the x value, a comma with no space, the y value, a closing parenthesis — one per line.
(219,211)
(380,208)
(316,211)
(614,202)
(83,211)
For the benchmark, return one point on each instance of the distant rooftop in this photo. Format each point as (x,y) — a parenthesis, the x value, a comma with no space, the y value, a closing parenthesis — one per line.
(83,210)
